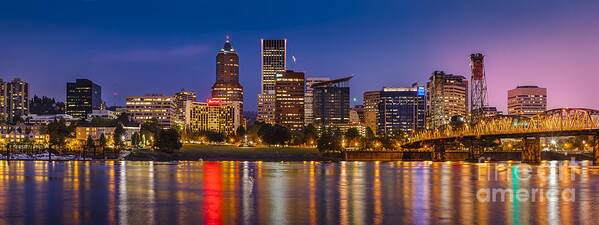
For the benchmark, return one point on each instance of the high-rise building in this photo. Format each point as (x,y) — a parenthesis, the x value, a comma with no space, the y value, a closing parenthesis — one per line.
(213,115)
(227,87)
(446,96)
(309,98)
(152,107)
(180,98)
(526,100)
(371,109)
(289,99)
(83,96)
(14,99)
(331,102)
(356,114)
(401,109)
(274,55)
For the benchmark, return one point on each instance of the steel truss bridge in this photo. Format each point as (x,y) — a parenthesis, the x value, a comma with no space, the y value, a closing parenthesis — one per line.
(551,123)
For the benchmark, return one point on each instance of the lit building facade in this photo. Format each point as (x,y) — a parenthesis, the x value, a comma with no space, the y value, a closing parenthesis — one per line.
(227,87)
(371,109)
(356,114)
(83,96)
(309,98)
(14,99)
(213,115)
(446,96)
(180,98)
(331,102)
(401,109)
(273,57)
(20,133)
(527,100)
(289,99)
(82,132)
(150,107)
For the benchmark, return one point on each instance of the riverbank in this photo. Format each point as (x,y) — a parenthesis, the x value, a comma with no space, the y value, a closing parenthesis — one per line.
(194,152)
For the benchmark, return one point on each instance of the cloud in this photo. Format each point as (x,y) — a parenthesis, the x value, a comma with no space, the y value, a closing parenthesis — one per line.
(152,55)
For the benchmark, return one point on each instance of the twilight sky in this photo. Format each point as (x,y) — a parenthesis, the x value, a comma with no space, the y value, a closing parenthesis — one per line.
(159,46)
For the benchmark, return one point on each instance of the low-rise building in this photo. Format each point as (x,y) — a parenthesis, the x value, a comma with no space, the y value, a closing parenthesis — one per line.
(46,119)
(21,133)
(150,107)
(211,116)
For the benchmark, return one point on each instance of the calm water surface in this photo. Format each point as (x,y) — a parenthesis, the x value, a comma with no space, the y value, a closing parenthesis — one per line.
(116,192)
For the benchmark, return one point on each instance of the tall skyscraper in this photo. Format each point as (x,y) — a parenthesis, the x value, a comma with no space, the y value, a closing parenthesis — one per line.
(83,96)
(274,54)
(14,99)
(227,87)
(152,107)
(446,96)
(526,100)
(289,99)
(371,109)
(331,102)
(181,98)
(401,109)
(309,98)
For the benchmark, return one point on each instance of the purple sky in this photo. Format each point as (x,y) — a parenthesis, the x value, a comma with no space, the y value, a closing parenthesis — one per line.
(134,47)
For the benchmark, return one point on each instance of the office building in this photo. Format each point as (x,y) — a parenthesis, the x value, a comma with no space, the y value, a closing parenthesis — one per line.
(401,109)
(289,99)
(151,107)
(489,111)
(331,102)
(213,115)
(273,56)
(446,96)
(180,98)
(14,99)
(526,101)
(227,87)
(309,98)
(371,109)
(83,96)
(356,114)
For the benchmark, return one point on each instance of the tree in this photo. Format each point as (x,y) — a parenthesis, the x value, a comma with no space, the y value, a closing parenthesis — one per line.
(330,140)
(57,131)
(150,131)
(102,142)
(118,135)
(368,139)
(240,132)
(276,134)
(352,135)
(135,139)
(89,144)
(310,133)
(168,140)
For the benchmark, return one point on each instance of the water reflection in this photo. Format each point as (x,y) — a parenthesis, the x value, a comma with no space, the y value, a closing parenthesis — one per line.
(112,192)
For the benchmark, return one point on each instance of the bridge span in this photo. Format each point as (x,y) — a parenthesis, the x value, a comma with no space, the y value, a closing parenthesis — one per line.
(551,123)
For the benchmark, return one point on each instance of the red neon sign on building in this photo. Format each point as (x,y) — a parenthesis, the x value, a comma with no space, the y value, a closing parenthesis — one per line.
(213,101)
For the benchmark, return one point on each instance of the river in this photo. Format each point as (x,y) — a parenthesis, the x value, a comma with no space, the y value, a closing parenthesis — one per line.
(126,192)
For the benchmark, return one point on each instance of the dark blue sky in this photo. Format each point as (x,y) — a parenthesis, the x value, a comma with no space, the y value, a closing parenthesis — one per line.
(136,47)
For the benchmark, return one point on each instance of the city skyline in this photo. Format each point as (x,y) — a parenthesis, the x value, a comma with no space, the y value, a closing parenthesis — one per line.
(535,52)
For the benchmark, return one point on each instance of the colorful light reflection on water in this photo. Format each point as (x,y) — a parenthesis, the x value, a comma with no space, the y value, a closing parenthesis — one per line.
(39,192)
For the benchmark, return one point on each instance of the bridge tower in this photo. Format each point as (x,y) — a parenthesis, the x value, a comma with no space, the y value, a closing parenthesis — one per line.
(478,87)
